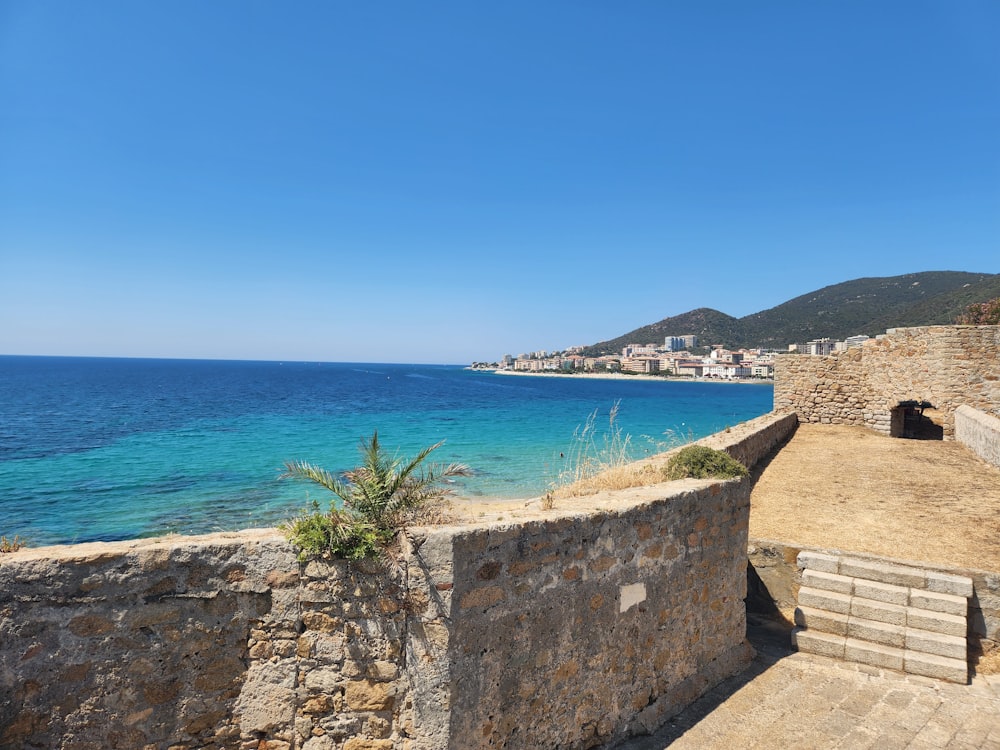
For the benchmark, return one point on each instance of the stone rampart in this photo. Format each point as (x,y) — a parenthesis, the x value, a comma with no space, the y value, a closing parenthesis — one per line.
(978,432)
(946,366)
(572,630)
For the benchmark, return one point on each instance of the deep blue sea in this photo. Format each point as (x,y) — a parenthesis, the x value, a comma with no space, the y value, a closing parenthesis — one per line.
(103,449)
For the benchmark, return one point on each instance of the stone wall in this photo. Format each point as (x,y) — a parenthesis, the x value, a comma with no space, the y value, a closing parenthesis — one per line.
(570,630)
(978,432)
(210,642)
(946,366)
(554,633)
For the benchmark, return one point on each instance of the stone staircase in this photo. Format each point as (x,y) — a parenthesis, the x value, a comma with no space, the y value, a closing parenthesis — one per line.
(891,616)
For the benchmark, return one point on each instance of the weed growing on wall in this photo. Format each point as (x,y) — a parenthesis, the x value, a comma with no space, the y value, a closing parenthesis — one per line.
(11,545)
(371,502)
(590,455)
(701,462)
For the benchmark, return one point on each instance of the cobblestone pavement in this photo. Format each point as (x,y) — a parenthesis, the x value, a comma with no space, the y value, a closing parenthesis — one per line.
(792,700)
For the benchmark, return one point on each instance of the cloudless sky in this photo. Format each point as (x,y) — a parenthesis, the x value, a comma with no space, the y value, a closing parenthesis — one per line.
(453,181)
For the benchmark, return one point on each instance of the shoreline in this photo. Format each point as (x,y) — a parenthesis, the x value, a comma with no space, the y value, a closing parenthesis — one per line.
(623,376)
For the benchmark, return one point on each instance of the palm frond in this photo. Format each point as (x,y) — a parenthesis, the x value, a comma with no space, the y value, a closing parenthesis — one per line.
(322,477)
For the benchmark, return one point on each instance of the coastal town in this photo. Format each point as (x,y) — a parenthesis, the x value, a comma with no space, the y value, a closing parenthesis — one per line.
(672,358)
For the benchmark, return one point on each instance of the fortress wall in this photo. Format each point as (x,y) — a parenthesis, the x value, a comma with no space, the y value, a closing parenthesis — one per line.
(945,365)
(570,630)
(578,630)
(979,432)
(563,632)
(220,641)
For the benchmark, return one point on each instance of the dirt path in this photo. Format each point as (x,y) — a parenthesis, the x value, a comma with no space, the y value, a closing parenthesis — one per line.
(852,489)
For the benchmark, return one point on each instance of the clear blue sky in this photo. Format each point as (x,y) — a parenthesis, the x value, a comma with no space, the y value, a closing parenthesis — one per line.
(450,181)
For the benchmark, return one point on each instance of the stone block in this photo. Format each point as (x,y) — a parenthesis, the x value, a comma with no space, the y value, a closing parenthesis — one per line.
(881,592)
(873,654)
(368,695)
(866,609)
(936,622)
(946,603)
(821,620)
(874,570)
(828,600)
(819,561)
(947,583)
(817,579)
(938,667)
(822,644)
(951,646)
(876,632)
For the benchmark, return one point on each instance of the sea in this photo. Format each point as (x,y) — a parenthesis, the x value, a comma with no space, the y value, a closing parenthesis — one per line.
(100,449)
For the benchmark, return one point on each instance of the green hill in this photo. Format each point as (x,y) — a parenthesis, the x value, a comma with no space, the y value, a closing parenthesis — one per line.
(862,306)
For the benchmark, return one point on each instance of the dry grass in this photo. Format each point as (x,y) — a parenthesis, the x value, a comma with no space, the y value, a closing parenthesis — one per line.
(439,512)
(11,545)
(852,489)
(621,477)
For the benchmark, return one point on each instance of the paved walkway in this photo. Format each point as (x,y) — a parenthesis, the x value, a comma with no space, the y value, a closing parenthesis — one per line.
(791,700)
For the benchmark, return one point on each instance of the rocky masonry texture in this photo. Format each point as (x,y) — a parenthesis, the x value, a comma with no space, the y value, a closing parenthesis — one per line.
(947,366)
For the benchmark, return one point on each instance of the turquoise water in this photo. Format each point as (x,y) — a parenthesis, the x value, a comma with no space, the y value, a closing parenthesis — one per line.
(101,449)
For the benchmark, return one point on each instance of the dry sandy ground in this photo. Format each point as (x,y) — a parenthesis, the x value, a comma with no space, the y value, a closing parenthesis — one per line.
(852,489)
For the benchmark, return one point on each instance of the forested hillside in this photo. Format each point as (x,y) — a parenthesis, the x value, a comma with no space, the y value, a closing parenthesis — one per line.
(862,306)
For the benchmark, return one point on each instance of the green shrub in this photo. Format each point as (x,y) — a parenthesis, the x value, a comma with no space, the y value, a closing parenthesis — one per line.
(376,500)
(700,462)
(981,314)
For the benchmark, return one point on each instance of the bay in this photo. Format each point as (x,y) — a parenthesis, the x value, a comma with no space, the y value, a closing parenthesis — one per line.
(105,449)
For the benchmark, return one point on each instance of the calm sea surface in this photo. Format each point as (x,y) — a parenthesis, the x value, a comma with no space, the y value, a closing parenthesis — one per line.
(102,449)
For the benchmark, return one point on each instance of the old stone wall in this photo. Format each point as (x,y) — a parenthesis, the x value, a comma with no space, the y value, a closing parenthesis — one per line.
(946,366)
(571,630)
(210,642)
(564,632)
(978,432)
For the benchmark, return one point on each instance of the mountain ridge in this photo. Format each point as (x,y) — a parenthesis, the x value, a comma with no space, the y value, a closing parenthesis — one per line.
(867,305)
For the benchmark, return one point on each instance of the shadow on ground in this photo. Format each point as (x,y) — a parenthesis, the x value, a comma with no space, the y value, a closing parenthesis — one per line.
(770,637)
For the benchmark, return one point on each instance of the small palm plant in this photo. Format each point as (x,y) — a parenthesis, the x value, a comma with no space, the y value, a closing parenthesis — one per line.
(376,500)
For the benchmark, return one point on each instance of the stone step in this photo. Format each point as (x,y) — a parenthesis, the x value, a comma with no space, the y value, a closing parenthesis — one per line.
(887,593)
(948,604)
(830,601)
(817,579)
(884,615)
(874,654)
(883,634)
(881,656)
(874,570)
(936,622)
(898,636)
(821,644)
(821,620)
(868,609)
(947,583)
(938,667)
(937,644)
